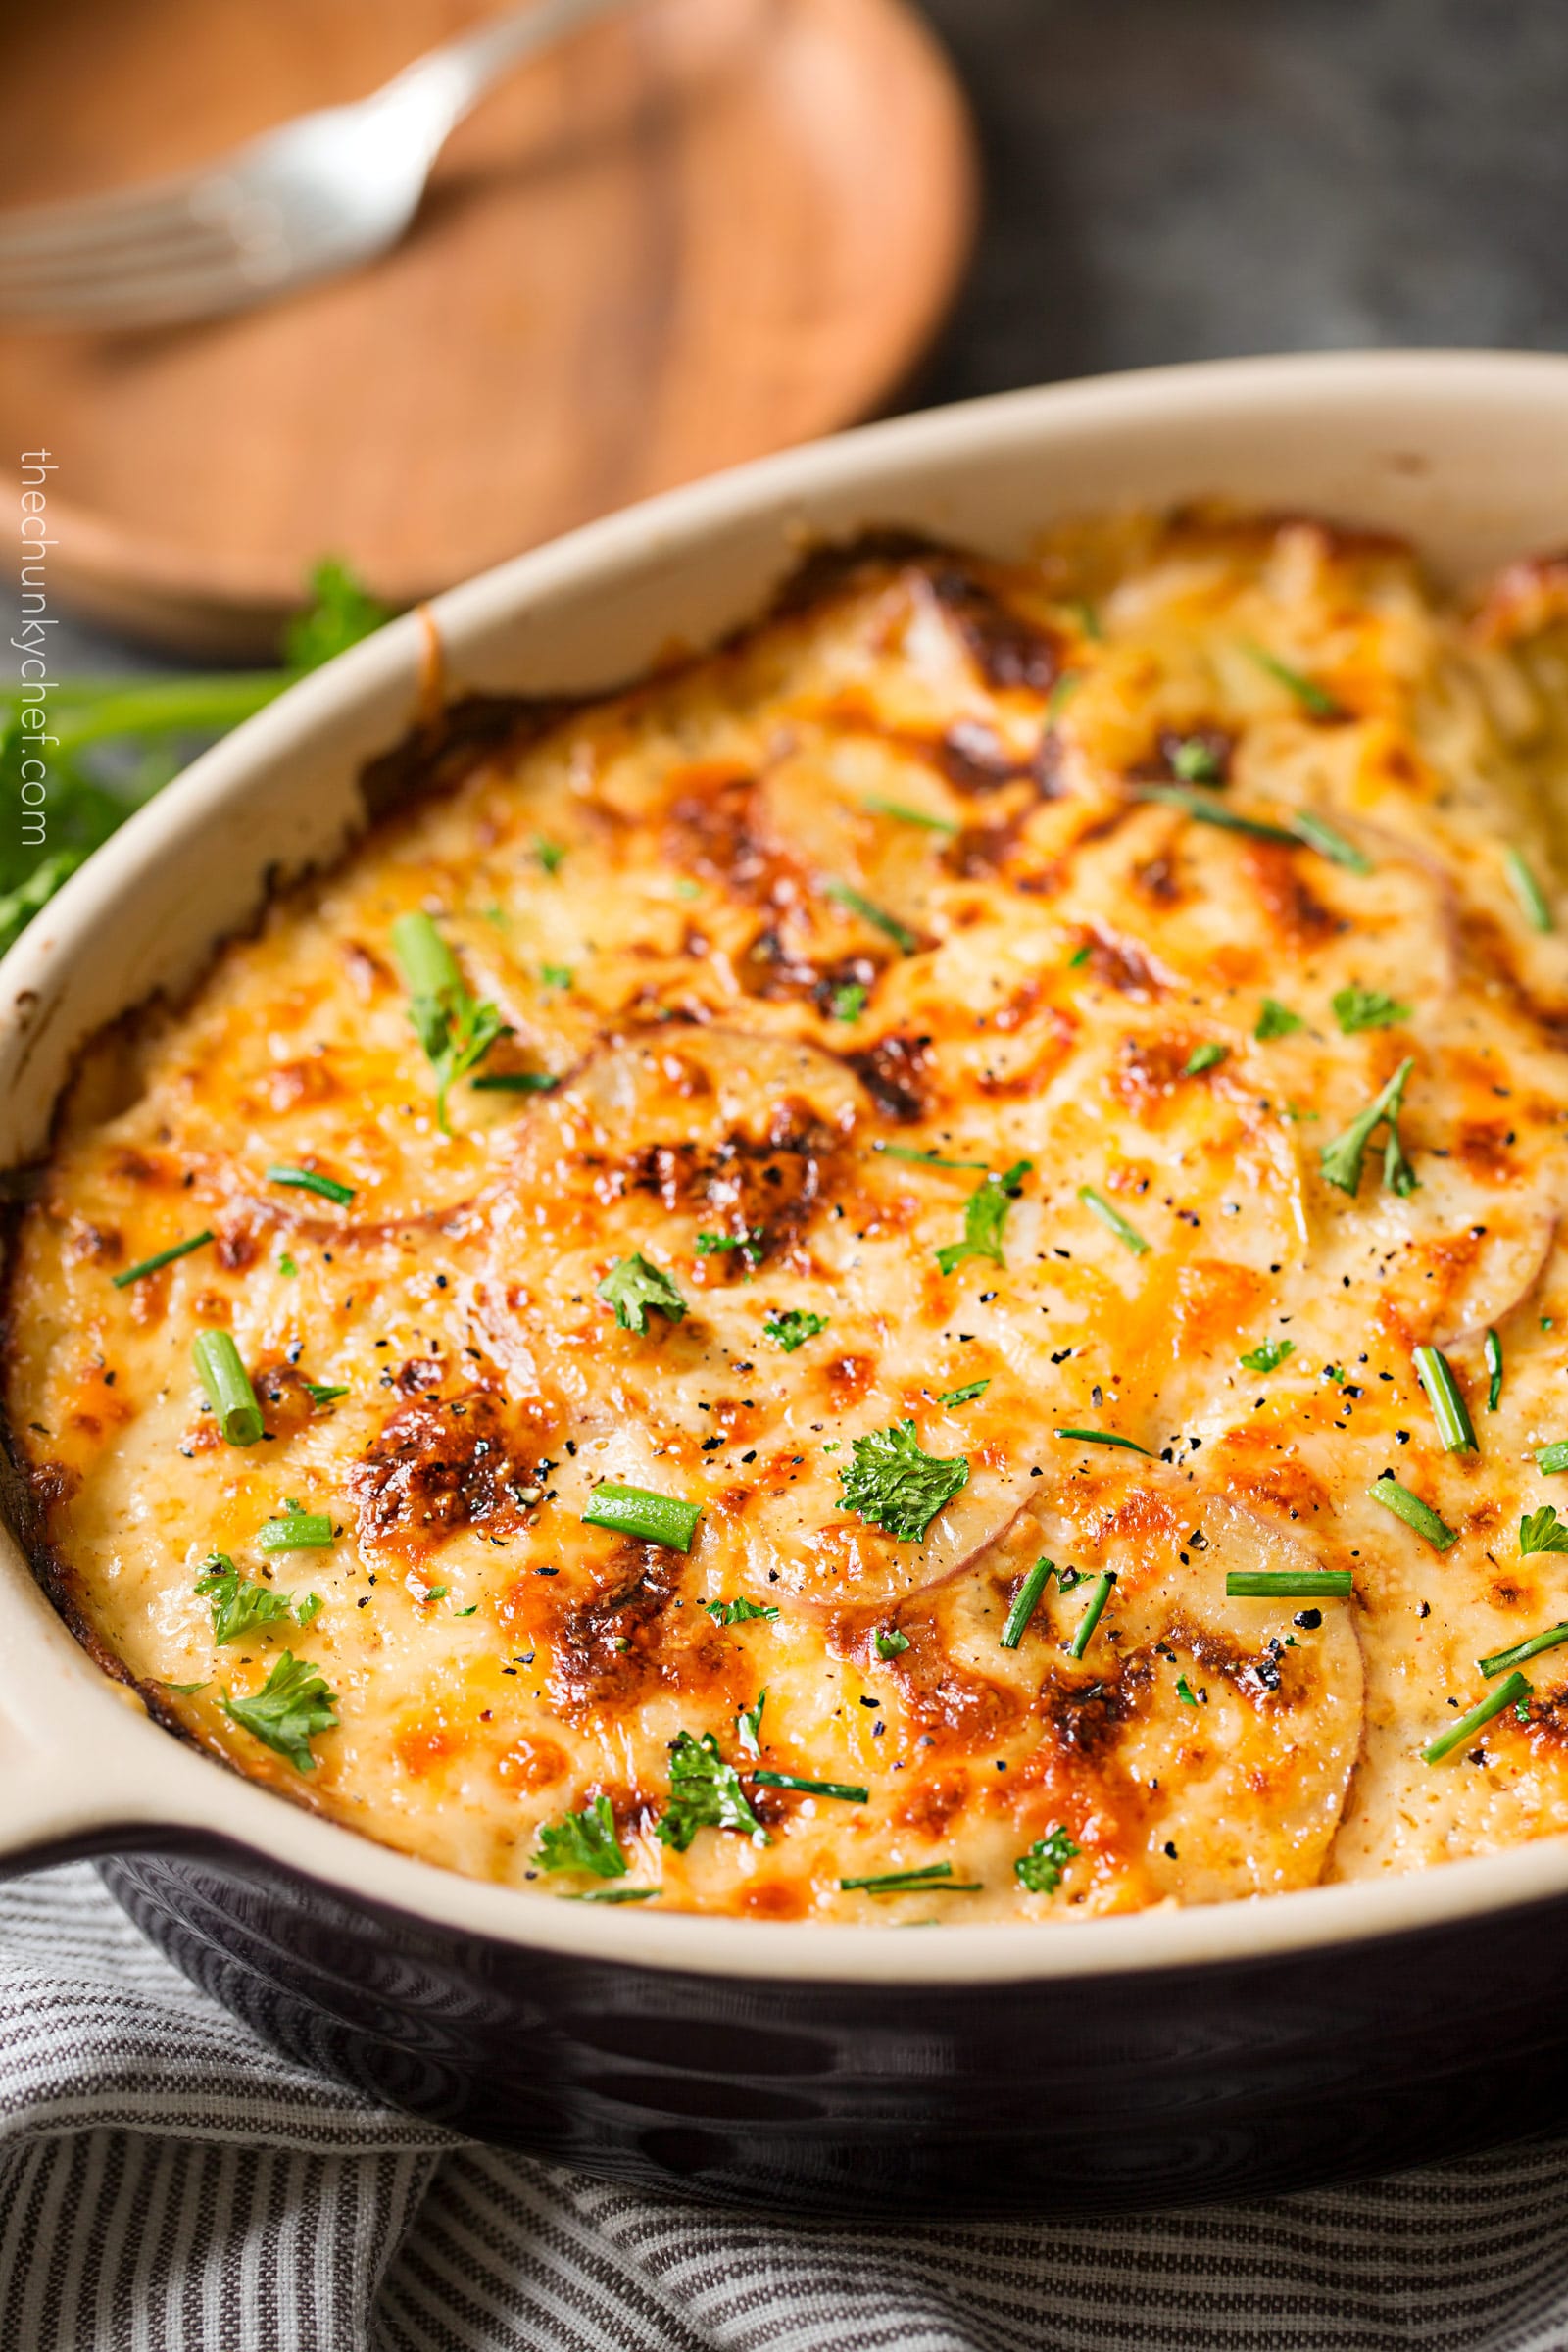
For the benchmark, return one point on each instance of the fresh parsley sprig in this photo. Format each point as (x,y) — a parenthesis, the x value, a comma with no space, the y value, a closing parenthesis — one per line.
(705,1794)
(1040,1870)
(890,1480)
(454,1028)
(634,1287)
(984,1216)
(1340,1160)
(292,1706)
(585,1842)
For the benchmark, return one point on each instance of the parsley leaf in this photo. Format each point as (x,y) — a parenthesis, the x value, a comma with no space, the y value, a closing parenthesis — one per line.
(705,1794)
(1542,1531)
(891,1484)
(984,1216)
(749,1725)
(750,1243)
(1194,760)
(1040,1869)
(239,1604)
(584,1840)
(1204,1057)
(292,1705)
(848,1001)
(1184,1692)
(1357,1008)
(790,1327)
(550,853)
(340,614)
(455,1031)
(1276,1020)
(1267,1355)
(976,1387)
(1340,1160)
(738,1612)
(632,1287)
(889,1643)
(322,1392)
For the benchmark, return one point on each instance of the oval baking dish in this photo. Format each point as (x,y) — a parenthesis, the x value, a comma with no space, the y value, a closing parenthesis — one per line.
(1174,2054)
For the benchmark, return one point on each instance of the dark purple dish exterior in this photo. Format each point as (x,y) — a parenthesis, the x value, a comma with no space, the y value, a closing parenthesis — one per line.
(858,2101)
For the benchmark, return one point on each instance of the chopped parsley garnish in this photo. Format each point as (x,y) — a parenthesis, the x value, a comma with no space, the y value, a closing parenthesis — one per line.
(891,1484)
(851,1794)
(931,1877)
(976,1387)
(907,815)
(1193,761)
(1185,1691)
(521,1082)
(1340,1160)
(705,1794)
(307,1180)
(1449,1407)
(1533,899)
(239,1604)
(1357,1008)
(1026,1601)
(738,1612)
(848,1001)
(556,975)
(907,942)
(1039,1871)
(984,1216)
(1204,1057)
(1267,1355)
(584,1840)
(1101,1437)
(926,1159)
(1415,1513)
(790,1327)
(1552,1458)
(633,1286)
(296,1531)
(228,1387)
(749,1725)
(1094,1609)
(291,1707)
(1491,1349)
(1088,619)
(1542,1531)
(1502,1660)
(1205,810)
(163,1257)
(616,1894)
(185,1690)
(1328,842)
(455,1031)
(1511,1693)
(324,1391)
(1289,1584)
(550,853)
(286,1265)
(1080,955)
(1128,1234)
(889,1643)
(1276,1020)
(1308,692)
(750,1243)
(665,1519)
(310,1608)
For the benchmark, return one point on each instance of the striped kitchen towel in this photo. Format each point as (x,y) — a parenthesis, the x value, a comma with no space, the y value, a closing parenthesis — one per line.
(168,2184)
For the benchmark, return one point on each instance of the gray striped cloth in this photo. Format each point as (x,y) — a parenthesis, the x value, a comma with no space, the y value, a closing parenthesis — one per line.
(166,2184)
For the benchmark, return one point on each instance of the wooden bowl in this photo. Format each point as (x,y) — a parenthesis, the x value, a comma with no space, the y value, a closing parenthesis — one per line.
(700,231)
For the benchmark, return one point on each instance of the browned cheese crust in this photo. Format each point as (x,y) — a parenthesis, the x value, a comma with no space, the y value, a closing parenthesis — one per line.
(890,876)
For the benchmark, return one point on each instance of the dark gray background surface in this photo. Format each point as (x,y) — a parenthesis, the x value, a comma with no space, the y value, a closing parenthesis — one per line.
(1171,179)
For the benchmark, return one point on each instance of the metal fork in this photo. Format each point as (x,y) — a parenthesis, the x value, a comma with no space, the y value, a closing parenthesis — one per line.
(305,201)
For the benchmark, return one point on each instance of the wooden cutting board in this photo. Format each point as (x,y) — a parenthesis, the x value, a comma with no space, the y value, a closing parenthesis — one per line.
(700,231)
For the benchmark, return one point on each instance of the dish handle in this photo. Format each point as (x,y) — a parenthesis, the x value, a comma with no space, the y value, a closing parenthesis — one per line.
(76,1780)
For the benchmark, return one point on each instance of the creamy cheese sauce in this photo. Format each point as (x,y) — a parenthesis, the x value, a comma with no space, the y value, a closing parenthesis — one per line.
(867,934)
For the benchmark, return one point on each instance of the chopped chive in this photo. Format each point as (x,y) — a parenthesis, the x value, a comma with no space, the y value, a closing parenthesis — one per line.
(1185,1691)
(976,1387)
(928,1159)
(1205,810)
(909,816)
(164,1257)
(665,1519)
(1413,1511)
(1204,1057)
(615,1894)
(1508,1694)
(1449,1407)
(1320,836)
(1062,692)
(1492,1348)
(934,1878)
(1289,1584)
(1028,1601)
(1552,1458)
(1080,955)
(298,1531)
(521,1082)
(1533,899)
(907,942)
(1307,692)
(306,1180)
(1094,1610)
(1127,1233)
(1088,619)
(792,1780)
(1103,1437)
(455,1031)
(185,1690)
(1502,1660)
(228,1388)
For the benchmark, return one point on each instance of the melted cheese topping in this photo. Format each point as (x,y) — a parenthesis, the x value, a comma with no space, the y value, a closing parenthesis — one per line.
(882,880)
